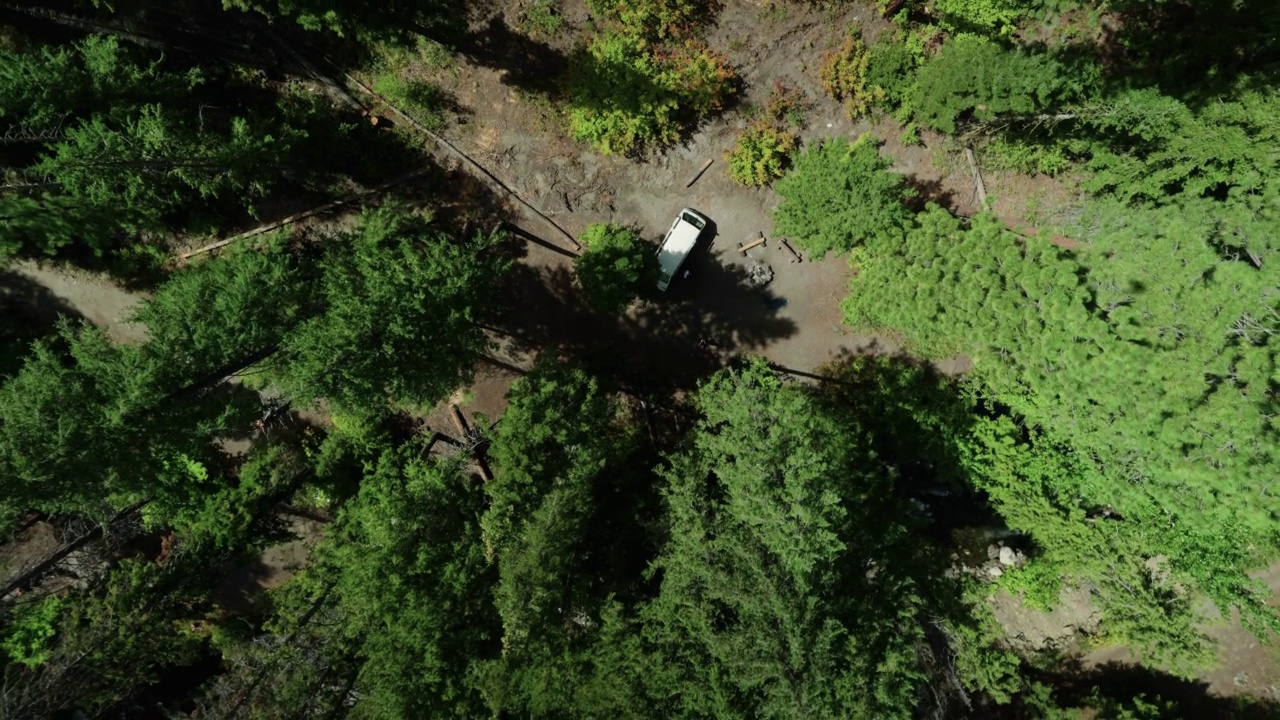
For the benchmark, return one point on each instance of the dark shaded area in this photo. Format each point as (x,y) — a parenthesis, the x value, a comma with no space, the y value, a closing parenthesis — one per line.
(524,63)
(927,191)
(28,312)
(1194,49)
(666,343)
(527,236)
(1113,685)
(334,149)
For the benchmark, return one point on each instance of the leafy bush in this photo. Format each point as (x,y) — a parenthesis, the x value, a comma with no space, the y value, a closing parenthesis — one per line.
(424,101)
(844,76)
(840,194)
(656,19)
(1000,16)
(910,135)
(544,18)
(764,149)
(891,68)
(615,268)
(761,155)
(786,106)
(1026,157)
(973,74)
(29,638)
(627,96)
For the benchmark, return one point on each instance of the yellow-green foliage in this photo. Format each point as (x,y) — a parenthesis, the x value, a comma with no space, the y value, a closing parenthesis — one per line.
(628,95)
(1000,16)
(656,19)
(844,76)
(29,638)
(761,155)
(764,149)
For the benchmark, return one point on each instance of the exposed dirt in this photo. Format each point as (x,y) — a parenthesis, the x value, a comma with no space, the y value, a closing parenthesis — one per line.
(67,291)
(715,312)
(1030,630)
(240,588)
(1245,665)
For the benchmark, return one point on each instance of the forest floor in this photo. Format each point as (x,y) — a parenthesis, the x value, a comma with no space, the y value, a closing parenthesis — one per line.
(505,119)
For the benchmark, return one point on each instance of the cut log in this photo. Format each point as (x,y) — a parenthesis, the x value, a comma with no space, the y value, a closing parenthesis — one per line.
(459,421)
(697,174)
(792,250)
(753,243)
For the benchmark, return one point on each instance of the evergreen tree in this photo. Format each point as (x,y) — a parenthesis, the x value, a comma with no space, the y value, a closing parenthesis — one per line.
(1135,364)
(779,598)
(839,195)
(401,305)
(87,427)
(561,530)
(228,314)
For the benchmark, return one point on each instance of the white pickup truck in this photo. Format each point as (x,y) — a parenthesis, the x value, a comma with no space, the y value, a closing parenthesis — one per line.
(679,242)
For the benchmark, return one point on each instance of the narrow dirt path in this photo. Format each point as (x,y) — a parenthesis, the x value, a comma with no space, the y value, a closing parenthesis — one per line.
(46,290)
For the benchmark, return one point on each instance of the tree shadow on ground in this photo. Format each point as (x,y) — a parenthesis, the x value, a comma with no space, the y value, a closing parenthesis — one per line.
(929,191)
(27,301)
(524,63)
(1115,684)
(28,312)
(665,343)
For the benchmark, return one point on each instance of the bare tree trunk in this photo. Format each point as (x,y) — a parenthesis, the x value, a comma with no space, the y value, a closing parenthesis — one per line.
(268,667)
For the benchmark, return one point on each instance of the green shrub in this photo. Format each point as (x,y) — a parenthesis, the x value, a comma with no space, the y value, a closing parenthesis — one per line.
(786,106)
(761,155)
(29,638)
(543,18)
(424,101)
(910,135)
(844,76)
(1026,157)
(627,96)
(980,661)
(891,67)
(656,19)
(999,16)
(615,267)
(840,194)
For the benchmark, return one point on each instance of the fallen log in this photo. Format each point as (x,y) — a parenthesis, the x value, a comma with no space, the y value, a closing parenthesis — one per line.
(698,173)
(791,250)
(977,178)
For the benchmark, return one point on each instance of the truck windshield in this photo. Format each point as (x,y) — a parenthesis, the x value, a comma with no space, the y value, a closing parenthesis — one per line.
(693,220)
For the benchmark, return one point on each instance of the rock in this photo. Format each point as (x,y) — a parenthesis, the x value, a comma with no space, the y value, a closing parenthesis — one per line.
(995,571)
(993,552)
(1008,556)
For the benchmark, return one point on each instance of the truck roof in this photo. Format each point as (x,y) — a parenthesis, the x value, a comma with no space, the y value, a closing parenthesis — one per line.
(679,243)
